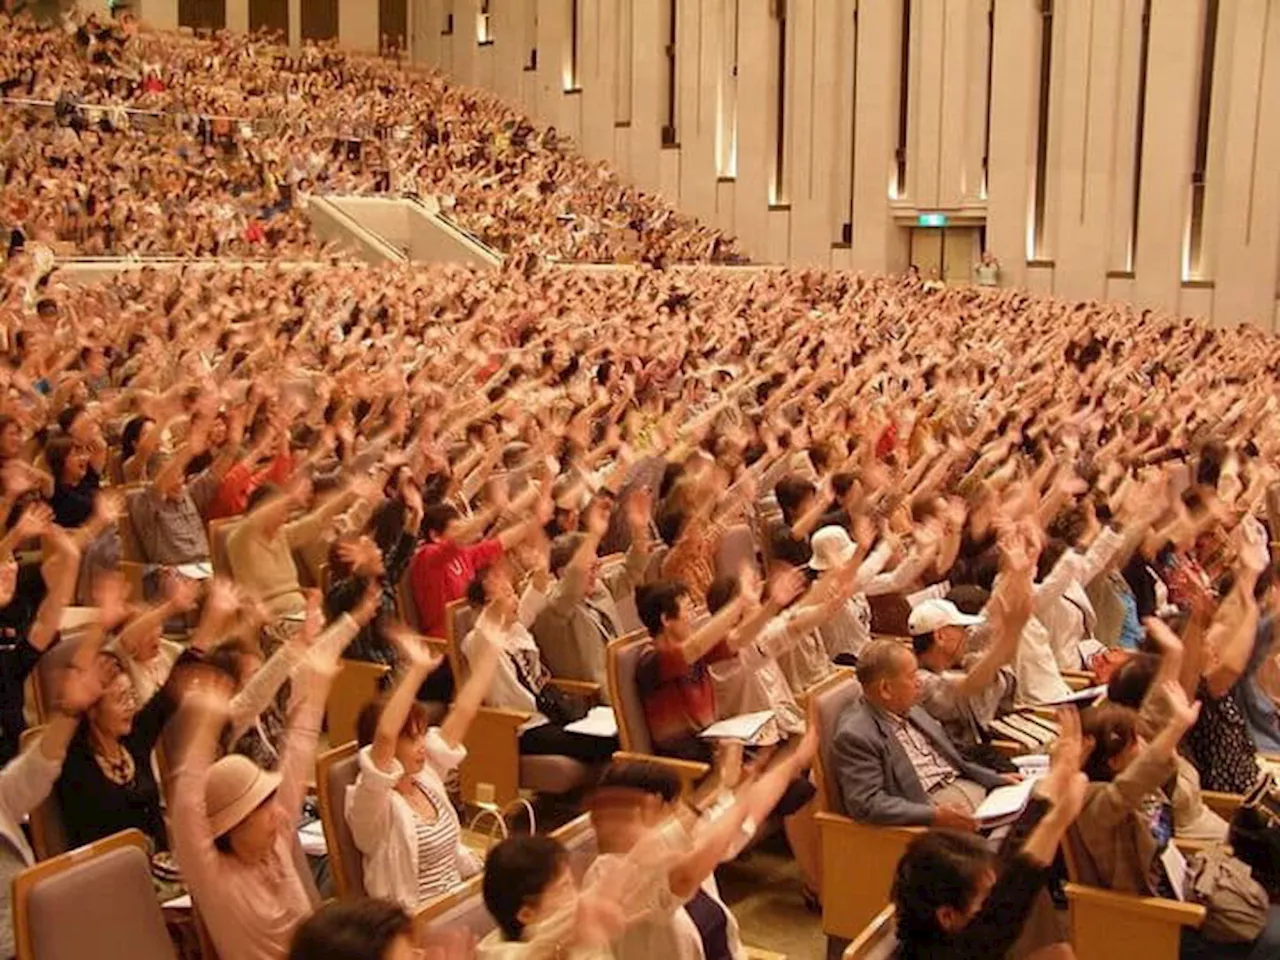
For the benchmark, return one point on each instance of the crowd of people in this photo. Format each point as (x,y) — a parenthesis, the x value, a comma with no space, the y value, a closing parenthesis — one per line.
(147,143)
(969,498)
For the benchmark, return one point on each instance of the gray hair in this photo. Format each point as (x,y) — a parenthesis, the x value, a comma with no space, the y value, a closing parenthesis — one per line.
(879,659)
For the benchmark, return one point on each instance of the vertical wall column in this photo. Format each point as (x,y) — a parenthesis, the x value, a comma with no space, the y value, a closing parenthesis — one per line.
(597,43)
(238,15)
(1014,113)
(1242,213)
(877,243)
(1082,167)
(1167,150)
(358,25)
(755,148)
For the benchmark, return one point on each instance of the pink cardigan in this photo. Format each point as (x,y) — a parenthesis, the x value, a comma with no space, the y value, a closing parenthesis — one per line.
(251,911)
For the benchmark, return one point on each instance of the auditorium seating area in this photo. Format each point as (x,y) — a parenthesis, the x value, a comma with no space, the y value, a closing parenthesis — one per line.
(677,604)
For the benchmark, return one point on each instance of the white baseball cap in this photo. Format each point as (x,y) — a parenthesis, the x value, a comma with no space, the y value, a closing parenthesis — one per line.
(931,615)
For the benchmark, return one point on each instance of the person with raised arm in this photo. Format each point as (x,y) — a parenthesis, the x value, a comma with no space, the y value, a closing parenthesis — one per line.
(233,823)
(398,809)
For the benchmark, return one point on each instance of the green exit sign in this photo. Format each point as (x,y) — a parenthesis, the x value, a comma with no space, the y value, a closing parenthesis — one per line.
(931,220)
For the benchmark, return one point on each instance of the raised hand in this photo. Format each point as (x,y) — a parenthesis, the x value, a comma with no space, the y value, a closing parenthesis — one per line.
(35,521)
(1182,713)
(110,595)
(415,653)
(639,510)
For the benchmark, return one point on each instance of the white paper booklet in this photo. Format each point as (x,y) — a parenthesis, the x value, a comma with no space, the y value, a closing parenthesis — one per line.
(744,727)
(1004,803)
(599,722)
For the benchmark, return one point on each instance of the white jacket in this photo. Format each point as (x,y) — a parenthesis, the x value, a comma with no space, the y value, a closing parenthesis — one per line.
(383,824)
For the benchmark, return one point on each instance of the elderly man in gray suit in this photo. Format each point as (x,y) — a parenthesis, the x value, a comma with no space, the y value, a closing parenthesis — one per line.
(894,763)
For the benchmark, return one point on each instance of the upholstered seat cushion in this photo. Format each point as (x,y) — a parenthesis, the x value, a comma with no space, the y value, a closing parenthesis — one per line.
(113,903)
(551,774)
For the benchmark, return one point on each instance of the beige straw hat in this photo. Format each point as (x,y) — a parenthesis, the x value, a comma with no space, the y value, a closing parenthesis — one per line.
(235,788)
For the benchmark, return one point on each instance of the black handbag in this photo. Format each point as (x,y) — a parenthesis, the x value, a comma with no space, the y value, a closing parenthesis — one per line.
(553,703)
(1255,834)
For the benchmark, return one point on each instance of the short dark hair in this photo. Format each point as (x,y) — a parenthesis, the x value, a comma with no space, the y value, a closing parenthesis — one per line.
(922,643)
(939,869)
(643,776)
(361,929)
(1128,686)
(1112,728)
(517,871)
(656,601)
(722,590)
(436,518)
(792,491)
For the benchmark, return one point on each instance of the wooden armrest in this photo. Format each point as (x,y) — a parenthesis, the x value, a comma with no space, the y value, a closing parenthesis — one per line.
(690,772)
(1008,748)
(503,716)
(1223,804)
(839,820)
(437,644)
(1076,681)
(1155,908)
(577,688)
(1044,713)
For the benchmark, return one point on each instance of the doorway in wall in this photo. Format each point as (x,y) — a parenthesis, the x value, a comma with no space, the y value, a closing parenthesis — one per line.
(320,20)
(272,15)
(946,252)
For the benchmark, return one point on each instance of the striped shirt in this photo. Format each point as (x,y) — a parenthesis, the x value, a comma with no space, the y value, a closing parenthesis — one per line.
(437,843)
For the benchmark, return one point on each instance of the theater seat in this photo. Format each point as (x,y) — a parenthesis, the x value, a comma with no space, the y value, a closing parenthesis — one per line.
(494,766)
(95,901)
(336,770)
(357,683)
(633,729)
(858,859)
(48,832)
(1106,925)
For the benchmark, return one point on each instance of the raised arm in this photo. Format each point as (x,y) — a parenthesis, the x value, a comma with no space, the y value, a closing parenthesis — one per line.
(60,571)
(418,662)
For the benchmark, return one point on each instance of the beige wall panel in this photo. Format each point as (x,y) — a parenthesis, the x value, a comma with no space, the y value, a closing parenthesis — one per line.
(161,14)
(1242,211)
(622,152)
(1120,289)
(698,44)
(725,205)
(357,24)
(878,244)
(1082,176)
(813,66)
(1196,302)
(755,149)
(463,44)
(1039,279)
(779,235)
(238,15)
(597,65)
(1124,137)
(973,106)
(842,120)
(648,64)
(1014,89)
(669,173)
(924,68)
(623,37)
(510,48)
(1167,150)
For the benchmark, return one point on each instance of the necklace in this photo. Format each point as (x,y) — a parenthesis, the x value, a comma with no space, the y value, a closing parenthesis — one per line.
(119,770)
